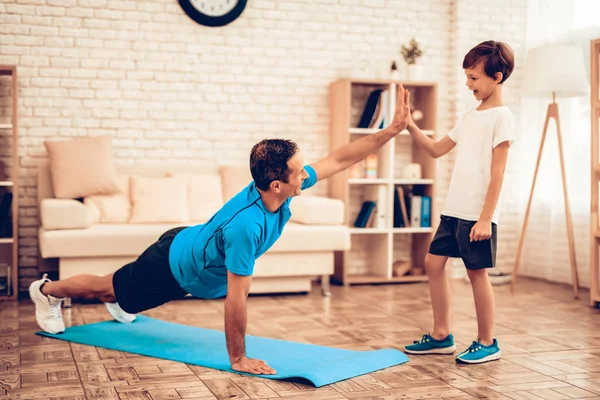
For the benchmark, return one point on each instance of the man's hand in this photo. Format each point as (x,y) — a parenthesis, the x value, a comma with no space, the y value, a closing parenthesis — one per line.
(482,230)
(402,113)
(253,366)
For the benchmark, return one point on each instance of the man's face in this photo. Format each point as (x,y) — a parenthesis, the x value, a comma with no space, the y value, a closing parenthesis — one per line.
(297,175)
(478,82)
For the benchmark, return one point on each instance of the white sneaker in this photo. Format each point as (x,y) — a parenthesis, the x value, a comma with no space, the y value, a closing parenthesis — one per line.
(47,308)
(118,313)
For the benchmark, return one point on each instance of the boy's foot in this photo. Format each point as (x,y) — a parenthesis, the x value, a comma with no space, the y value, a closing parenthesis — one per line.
(117,313)
(478,353)
(429,345)
(47,308)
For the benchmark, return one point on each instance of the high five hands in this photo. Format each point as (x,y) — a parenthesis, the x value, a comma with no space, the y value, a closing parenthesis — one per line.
(402,112)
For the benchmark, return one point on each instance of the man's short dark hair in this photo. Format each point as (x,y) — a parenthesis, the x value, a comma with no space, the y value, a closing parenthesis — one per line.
(268,161)
(496,57)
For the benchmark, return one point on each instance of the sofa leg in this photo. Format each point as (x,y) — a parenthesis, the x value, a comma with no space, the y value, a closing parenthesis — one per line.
(325,285)
(67,302)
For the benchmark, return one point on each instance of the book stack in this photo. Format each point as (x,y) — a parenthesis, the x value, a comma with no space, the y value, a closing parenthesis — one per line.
(411,210)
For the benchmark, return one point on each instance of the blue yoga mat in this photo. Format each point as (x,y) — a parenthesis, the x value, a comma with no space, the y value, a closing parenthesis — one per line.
(206,347)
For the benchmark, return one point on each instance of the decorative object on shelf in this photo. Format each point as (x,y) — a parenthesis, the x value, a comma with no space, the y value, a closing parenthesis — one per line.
(410,54)
(213,13)
(371,166)
(416,115)
(412,171)
(394,73)
(552,71)
(401,267)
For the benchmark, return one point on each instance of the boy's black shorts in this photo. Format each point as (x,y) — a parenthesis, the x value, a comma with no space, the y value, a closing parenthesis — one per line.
(452,239)
(148,281)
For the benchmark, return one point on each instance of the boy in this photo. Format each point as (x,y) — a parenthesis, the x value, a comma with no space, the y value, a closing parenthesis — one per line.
(469,219)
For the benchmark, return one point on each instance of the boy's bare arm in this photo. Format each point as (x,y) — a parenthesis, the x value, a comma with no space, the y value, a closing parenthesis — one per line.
(483,228)
(499,158)
(434,148)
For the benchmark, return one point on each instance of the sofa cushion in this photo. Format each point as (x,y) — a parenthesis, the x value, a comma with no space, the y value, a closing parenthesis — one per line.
(101,240)
(64,214)
(205,196)
(234,178)
(317,210)
(158,199)
(111,208)
(132,239)
(82,167)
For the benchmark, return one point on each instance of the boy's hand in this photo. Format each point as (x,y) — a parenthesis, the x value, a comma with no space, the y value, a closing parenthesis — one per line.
(482,230)
(402,112)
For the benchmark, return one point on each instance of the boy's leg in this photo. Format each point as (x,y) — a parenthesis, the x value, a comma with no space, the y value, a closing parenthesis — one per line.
(484,304)
(439,293)
(478,257)
(443,246)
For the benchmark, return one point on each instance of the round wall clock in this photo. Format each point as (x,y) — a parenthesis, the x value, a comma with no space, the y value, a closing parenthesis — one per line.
(213,12)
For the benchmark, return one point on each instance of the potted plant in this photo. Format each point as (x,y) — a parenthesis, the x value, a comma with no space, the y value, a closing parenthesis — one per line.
(410,54)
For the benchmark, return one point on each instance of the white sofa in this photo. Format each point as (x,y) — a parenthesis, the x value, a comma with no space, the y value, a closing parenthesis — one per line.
(73,233)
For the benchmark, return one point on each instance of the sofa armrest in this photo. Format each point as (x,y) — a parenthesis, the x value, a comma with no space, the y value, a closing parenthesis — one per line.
(317,210)
(64,214)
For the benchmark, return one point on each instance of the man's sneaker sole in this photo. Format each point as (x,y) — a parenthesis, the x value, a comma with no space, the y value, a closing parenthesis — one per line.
(439,350)
(491,357)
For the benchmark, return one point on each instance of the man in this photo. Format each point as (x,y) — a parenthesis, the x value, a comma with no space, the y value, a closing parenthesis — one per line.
(215,259)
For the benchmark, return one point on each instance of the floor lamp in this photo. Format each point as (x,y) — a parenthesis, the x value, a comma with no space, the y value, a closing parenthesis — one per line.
(551,72)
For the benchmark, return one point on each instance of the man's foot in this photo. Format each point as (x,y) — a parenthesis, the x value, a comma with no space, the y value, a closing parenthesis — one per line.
(478,353)
(47,308)
(118,313)
(429,345)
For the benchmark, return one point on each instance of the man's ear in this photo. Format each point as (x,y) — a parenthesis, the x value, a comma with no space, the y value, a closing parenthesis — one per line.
(275,186)
(498,77)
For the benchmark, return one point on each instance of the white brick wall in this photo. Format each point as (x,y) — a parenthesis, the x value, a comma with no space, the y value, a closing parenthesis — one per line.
(170,90)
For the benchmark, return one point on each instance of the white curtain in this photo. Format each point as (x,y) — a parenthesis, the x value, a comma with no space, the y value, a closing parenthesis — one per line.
(546,251)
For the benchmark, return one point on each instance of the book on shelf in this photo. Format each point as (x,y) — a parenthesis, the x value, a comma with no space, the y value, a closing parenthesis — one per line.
(5,216)
(374,115)
(365,215)
(410,209)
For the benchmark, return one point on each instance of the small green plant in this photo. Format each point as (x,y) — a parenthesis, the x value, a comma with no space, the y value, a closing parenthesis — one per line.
(412,52)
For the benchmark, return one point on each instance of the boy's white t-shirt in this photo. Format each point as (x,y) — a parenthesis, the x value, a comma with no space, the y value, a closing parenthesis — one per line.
(476,134)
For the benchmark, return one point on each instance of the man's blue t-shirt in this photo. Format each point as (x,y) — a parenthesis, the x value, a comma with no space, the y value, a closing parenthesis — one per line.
(232,239)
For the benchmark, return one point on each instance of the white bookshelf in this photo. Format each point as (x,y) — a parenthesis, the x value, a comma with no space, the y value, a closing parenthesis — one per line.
(376,248)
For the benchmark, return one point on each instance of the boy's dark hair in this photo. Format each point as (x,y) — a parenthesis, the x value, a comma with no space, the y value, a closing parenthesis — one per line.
(496,57)
(268,161)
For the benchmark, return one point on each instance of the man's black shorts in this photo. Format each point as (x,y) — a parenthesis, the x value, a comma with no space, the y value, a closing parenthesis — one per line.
(452,239)
(148,281)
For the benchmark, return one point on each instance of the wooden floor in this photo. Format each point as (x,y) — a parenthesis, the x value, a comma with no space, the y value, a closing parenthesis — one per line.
(550,345)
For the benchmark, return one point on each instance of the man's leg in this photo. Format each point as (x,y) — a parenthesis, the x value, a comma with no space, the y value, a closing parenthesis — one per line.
(88,287)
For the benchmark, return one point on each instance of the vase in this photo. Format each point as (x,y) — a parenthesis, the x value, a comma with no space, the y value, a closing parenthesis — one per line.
(414,72)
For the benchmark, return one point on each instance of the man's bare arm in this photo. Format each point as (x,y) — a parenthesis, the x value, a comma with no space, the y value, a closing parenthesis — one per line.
(238,287)
(358,150)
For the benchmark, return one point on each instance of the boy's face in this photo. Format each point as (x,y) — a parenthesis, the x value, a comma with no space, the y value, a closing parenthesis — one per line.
(479,83)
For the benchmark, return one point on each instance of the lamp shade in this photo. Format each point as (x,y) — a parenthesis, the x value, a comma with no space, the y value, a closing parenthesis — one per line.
(555,69)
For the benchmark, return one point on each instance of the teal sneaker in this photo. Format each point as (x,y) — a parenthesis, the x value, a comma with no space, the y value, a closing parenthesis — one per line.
(478,353)
(429,345)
